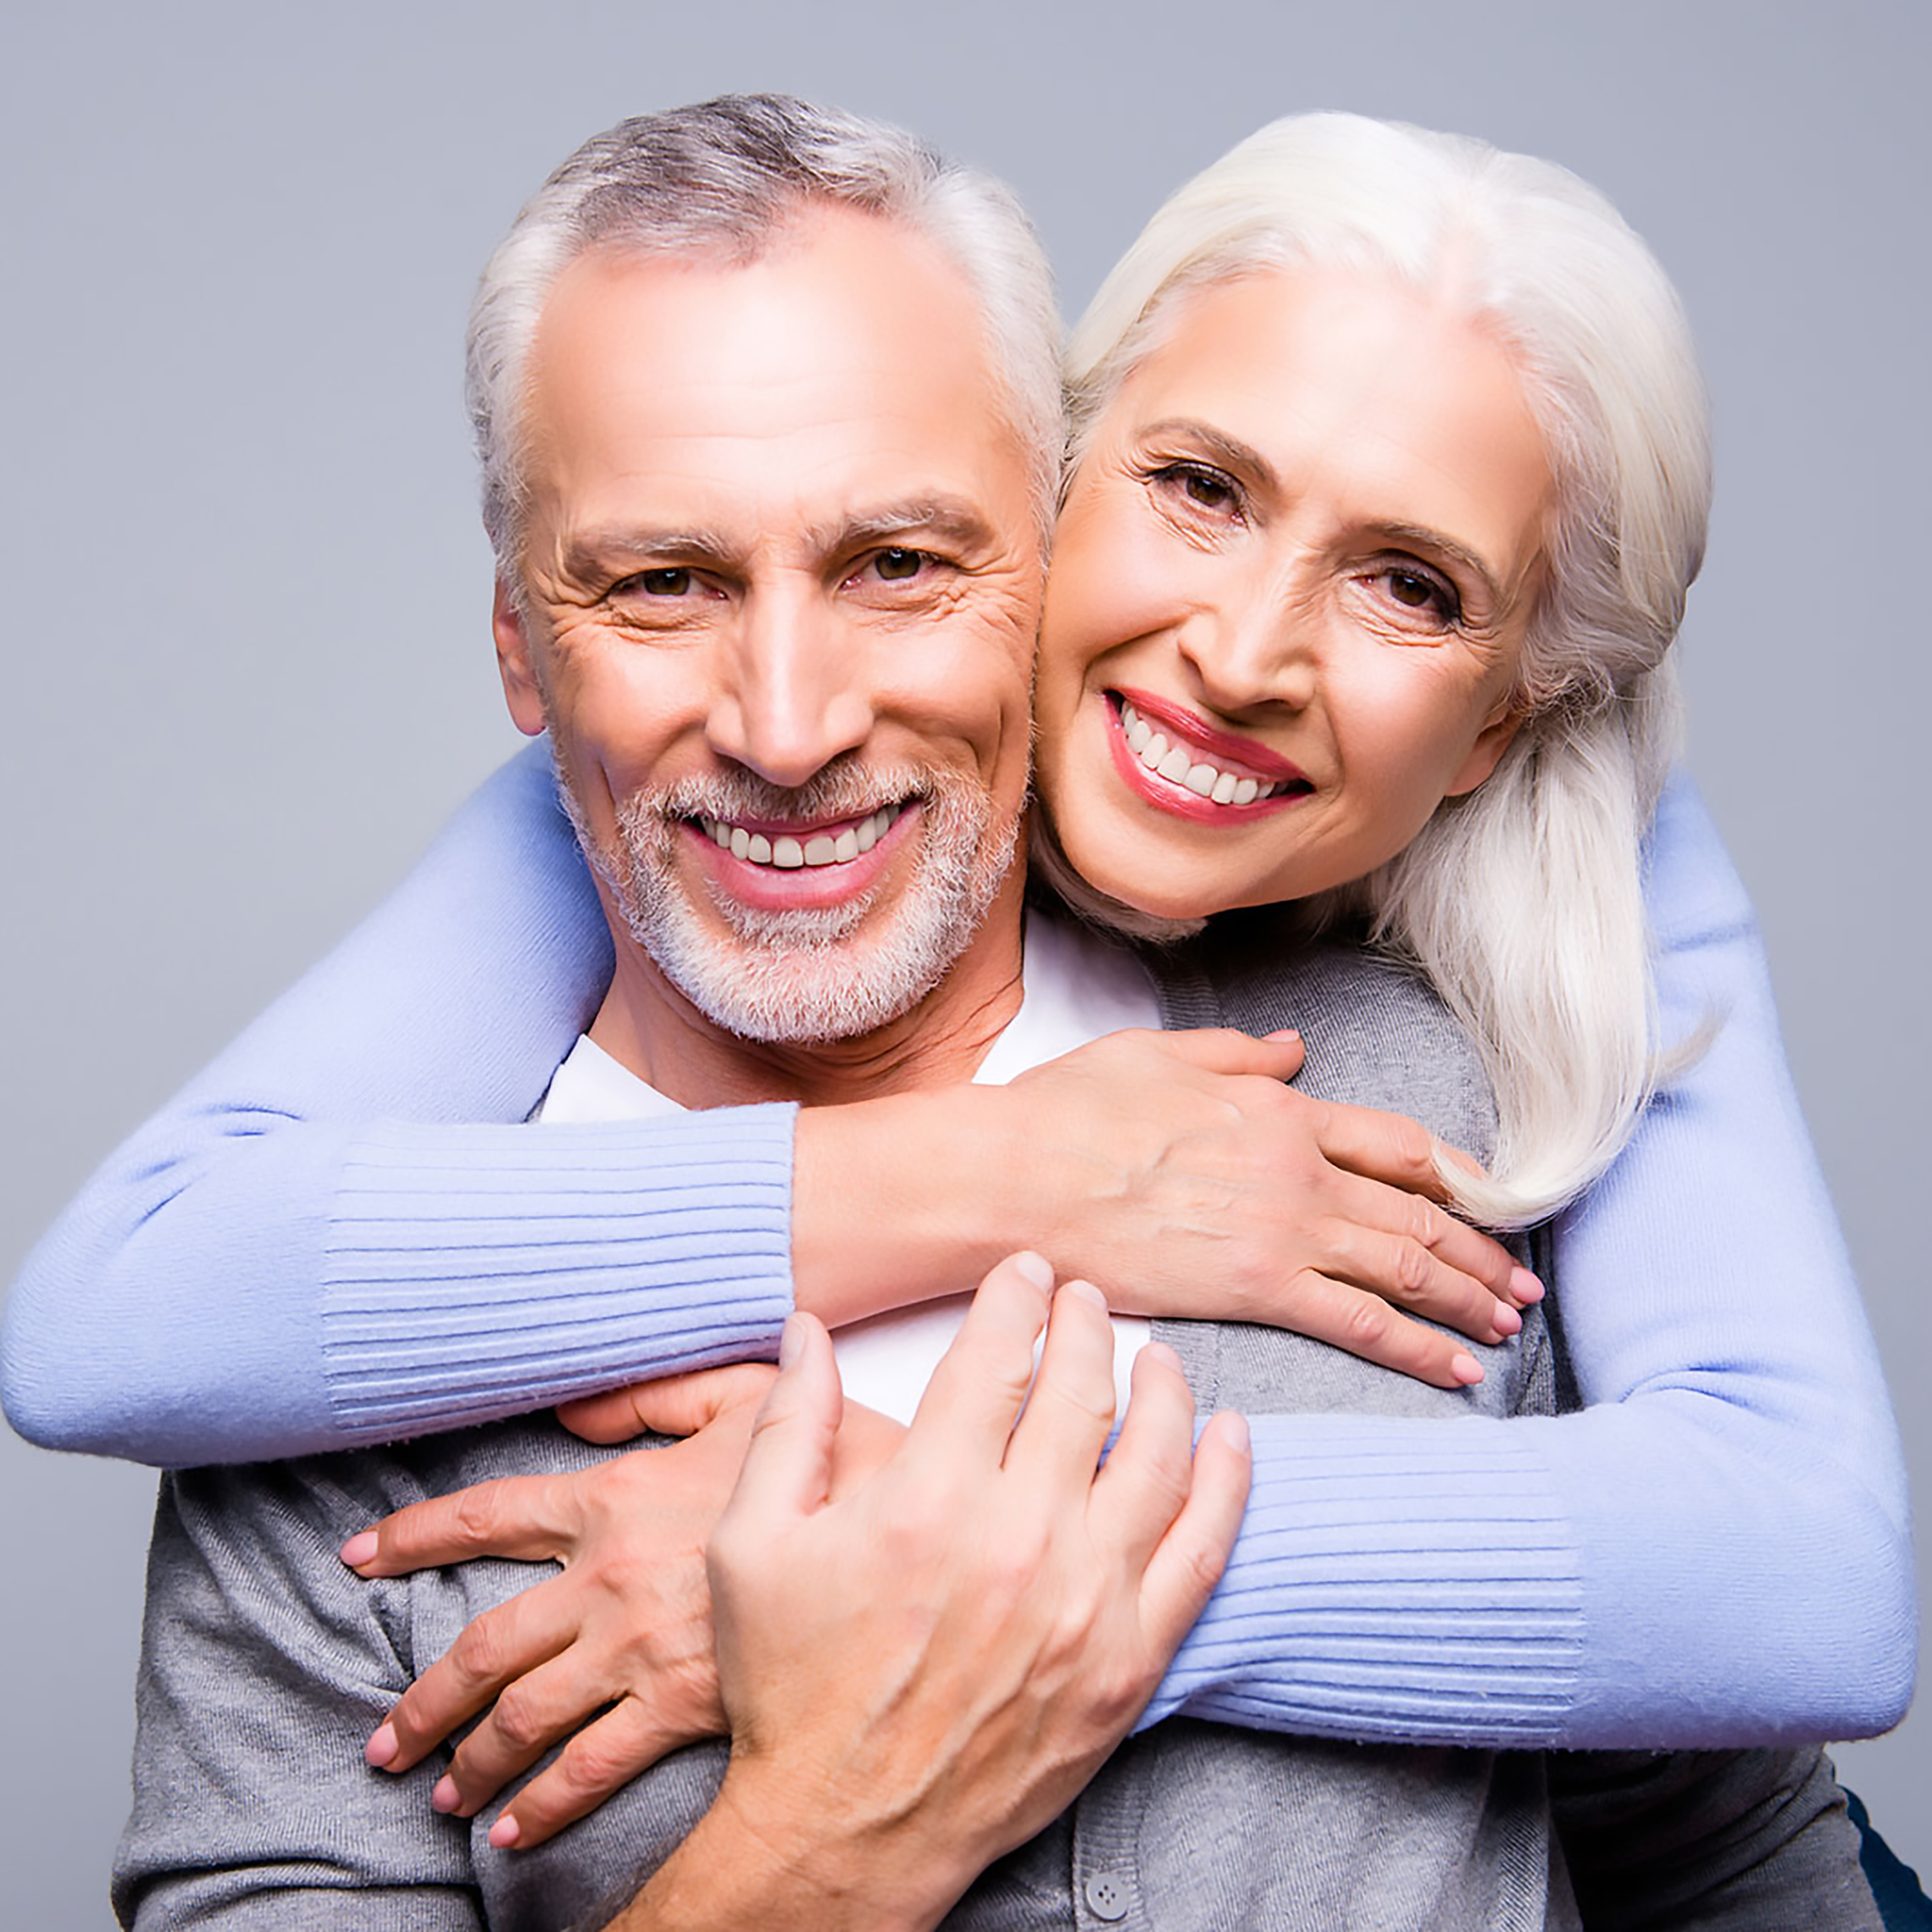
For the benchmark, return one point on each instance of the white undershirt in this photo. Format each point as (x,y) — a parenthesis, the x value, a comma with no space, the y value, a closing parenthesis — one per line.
(1075,986)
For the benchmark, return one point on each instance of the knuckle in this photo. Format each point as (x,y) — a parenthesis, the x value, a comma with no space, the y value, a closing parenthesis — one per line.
(1366,1324)
(518,1721)
(1415,1268)
(476,1657)
(474,1511)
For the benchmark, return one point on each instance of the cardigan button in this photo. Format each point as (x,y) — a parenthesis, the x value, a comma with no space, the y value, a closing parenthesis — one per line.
(1107,1895)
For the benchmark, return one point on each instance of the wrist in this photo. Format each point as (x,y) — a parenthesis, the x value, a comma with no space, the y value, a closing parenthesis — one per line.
(770,1853)
(900,1200)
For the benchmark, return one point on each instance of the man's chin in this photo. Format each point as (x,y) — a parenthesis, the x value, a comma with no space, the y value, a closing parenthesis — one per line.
(788,987)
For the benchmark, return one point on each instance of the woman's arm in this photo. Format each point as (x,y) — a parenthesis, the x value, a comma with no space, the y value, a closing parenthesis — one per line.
(255,1273)
(1715,1551)
(259,1272)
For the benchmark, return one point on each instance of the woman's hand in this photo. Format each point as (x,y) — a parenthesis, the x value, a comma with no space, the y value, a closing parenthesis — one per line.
(627,1624)
(1179,1172)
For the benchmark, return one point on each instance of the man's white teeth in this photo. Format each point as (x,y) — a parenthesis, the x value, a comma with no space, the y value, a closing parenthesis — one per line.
(1175,761)
(789,853)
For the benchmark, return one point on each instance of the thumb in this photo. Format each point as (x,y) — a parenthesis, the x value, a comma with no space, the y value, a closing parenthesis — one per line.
(671,1405)
(788,1465)
(1225,1050)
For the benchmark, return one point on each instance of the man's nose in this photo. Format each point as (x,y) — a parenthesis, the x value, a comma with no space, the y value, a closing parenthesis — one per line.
(795,689)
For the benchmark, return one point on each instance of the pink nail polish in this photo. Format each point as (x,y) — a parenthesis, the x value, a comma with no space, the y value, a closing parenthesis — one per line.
(1466,1370)
(505,1833)
(359,1548)
(445,1797)
(381,1748)
(1523,1287)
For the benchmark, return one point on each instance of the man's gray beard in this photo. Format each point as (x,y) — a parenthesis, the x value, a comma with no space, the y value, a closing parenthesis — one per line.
(808,973)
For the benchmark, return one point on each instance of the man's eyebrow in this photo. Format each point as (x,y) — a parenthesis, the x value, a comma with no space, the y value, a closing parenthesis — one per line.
(950,520)
(590,553)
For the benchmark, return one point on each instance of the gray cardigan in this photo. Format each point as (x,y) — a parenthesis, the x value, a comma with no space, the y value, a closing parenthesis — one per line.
(266,1664)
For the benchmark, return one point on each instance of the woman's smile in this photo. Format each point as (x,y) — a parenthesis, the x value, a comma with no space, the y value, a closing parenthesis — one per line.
(1288,594)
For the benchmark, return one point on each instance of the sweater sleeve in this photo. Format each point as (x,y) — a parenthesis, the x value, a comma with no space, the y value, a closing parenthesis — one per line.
(258,1272)
(1714,1550)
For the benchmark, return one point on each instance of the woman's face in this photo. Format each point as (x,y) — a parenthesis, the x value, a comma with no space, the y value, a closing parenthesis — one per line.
(1288,593)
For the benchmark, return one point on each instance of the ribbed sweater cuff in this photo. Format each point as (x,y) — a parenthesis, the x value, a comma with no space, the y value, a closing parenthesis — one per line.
(474,1272)
(1400,1581)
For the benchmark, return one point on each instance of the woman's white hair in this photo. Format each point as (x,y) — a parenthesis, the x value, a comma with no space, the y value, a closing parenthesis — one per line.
(1523,900)
(722,181)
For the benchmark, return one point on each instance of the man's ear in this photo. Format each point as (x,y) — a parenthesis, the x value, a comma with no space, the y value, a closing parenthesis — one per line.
(1486,754)
(521,689)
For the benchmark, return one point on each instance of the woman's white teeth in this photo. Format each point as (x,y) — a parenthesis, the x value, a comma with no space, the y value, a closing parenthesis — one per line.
(1173,762)
(789,853)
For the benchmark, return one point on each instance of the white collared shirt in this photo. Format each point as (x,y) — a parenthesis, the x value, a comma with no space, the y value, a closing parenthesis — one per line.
(1074,988)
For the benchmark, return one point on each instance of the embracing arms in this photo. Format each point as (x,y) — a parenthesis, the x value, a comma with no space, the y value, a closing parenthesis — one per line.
(1710,1314)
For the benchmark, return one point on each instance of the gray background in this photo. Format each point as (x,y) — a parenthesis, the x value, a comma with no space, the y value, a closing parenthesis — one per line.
(249,600)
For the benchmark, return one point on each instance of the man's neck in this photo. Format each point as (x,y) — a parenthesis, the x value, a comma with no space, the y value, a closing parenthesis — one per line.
(646,1025)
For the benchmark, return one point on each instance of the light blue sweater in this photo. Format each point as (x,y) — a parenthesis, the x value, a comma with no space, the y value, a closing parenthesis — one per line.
(259,1271)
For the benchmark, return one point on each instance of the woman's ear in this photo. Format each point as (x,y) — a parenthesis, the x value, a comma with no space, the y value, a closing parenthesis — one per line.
(521,689)
(1486,754)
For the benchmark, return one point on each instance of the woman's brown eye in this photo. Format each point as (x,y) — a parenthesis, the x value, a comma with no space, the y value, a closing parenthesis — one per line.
(1211,493)
(896,564)
(1414,591)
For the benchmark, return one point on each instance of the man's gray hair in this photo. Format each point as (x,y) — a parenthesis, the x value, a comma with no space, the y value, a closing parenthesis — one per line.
(721,181)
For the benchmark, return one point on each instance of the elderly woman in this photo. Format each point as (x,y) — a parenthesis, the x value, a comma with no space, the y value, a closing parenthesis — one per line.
(1710,1322)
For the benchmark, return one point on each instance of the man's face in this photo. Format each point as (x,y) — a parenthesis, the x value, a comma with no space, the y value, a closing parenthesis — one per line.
(781,582)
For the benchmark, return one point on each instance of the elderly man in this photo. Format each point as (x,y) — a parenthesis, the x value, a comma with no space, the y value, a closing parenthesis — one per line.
(770,487)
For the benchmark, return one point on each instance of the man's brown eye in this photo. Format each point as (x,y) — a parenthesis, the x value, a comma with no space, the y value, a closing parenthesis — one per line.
(896,564)
(665,583)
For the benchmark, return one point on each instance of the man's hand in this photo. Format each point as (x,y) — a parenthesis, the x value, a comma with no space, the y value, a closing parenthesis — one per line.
(922,1673)
(627,1624)
(1179,1173)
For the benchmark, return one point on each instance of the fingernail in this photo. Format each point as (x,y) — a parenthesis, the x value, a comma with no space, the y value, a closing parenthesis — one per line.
(505,1832)
(1036,1267)
(1284,1034)
(358,1549)
(382,1747)
(1237,1427)
(1507,1321)
(791,1341)
(1466,1370)
(1524,1286)
(1087,1293)
(445,1797)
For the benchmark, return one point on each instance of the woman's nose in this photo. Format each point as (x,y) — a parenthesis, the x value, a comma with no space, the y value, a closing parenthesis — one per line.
(1265,648)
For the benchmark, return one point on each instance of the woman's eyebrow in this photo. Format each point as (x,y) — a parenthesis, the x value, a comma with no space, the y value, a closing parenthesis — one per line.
(1420,537)
(1218,444)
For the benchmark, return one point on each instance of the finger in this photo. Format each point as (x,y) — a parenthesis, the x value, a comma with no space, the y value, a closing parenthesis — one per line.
(1140,1492)
(601,1759)
(974,1396)
(1410,1264)
(1070,1411)
(788,1464)
(533,1713)
(1365,1325)
(671,1406)
(491,1651)
(529,1517)
(1226,1050)
(1183,1571)
(1386,1147)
